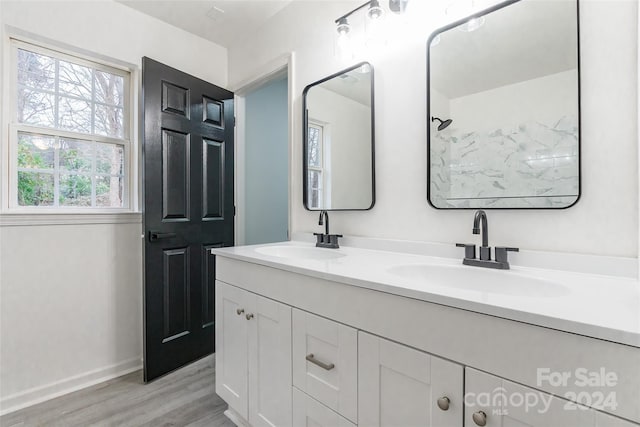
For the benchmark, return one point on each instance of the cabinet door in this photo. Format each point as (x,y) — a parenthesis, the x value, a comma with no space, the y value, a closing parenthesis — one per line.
(269,363)
(604,420)
(308,412)
(325,358)
(401,386)
(494,401)
(231,346)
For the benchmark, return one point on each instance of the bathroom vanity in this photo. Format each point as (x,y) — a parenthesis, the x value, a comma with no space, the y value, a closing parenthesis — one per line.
(361,337)
(402,334)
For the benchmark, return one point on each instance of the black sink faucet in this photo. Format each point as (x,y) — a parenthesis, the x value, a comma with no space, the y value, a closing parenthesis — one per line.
(481,218)
(326,240)
(325,215)
(480,226)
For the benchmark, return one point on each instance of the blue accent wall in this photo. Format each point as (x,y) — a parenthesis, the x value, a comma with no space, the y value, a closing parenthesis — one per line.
(266,164)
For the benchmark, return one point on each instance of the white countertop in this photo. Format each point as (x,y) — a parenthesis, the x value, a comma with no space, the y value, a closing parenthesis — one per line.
(598,306)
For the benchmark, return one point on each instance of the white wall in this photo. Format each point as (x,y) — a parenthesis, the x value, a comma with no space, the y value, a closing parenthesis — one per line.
(71,295)
(70,312)
(556,92)
(603,222)
(117,31)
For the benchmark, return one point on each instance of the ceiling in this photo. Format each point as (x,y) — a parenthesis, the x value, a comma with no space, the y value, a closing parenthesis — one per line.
(523,41)
(222,22)
(355,85)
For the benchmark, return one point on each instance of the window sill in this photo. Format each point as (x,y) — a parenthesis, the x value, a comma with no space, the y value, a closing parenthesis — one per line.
(16,219)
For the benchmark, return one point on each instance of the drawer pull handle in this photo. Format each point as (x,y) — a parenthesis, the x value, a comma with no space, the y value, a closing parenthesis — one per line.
(443,403)
(480,418)
(249,316)
(239,311)
(327,366)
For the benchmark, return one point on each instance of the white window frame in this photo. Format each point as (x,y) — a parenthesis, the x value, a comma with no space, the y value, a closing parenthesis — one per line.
(316,124)
(12,127)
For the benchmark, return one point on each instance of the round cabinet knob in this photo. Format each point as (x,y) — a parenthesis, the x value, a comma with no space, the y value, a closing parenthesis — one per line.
(480,418)
(239,311)
(249,316)
(443,403)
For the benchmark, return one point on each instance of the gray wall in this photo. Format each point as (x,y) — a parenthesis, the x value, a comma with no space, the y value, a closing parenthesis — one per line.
(266,164)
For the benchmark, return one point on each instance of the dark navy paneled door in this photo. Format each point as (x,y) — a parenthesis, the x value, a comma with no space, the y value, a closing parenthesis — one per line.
(188,209)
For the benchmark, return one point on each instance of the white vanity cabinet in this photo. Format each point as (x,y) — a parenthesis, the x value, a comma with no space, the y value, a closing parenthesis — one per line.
(325,362)
(495,402)
(605,420)
(253,357)
(320,352)
(308,412)
(401,386)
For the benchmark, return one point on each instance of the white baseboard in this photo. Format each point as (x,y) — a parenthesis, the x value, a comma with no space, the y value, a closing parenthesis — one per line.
(55,389)
(236,418)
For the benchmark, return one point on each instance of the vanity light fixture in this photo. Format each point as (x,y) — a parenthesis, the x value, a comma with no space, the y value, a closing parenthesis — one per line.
(374,12)
(373,38)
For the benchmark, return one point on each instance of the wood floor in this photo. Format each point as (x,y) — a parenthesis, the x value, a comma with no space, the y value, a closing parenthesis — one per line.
(183,398)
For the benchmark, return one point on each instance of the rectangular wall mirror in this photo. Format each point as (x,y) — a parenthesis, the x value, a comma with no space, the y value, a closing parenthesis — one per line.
(504,108)
(338,164)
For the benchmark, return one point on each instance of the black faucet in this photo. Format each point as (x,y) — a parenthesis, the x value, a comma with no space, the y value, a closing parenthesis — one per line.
(325,215)
(480,226)
(485,250)
(326,240)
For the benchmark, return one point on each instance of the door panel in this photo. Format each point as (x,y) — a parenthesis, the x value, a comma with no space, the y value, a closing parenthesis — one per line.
(176,293)
(187,172)
(213,180)
(232,305)
(270,364)
(213,112)
(176,173)
(506,404)
(175,99)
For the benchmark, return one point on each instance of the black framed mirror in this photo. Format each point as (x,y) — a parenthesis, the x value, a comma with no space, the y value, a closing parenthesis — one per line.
(338,141)
(503,102)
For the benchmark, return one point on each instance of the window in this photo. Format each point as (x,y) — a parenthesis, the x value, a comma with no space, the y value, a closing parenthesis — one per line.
(70,131)
(315,165)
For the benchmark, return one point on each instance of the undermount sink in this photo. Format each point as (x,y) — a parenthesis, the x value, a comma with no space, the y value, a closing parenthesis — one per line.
(480,280)
(299,252)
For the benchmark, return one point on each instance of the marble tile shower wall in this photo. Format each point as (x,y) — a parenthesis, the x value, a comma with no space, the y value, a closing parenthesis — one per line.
(530,164)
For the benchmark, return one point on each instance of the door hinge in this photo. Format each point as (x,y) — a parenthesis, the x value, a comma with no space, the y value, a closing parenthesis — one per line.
(234,210)
(234,121)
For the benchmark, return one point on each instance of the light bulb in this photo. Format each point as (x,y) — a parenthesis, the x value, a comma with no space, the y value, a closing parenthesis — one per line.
(375,11)
(343,27)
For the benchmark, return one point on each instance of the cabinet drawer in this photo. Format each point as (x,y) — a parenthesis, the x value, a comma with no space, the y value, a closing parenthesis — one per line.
(307,412)
(325,364)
